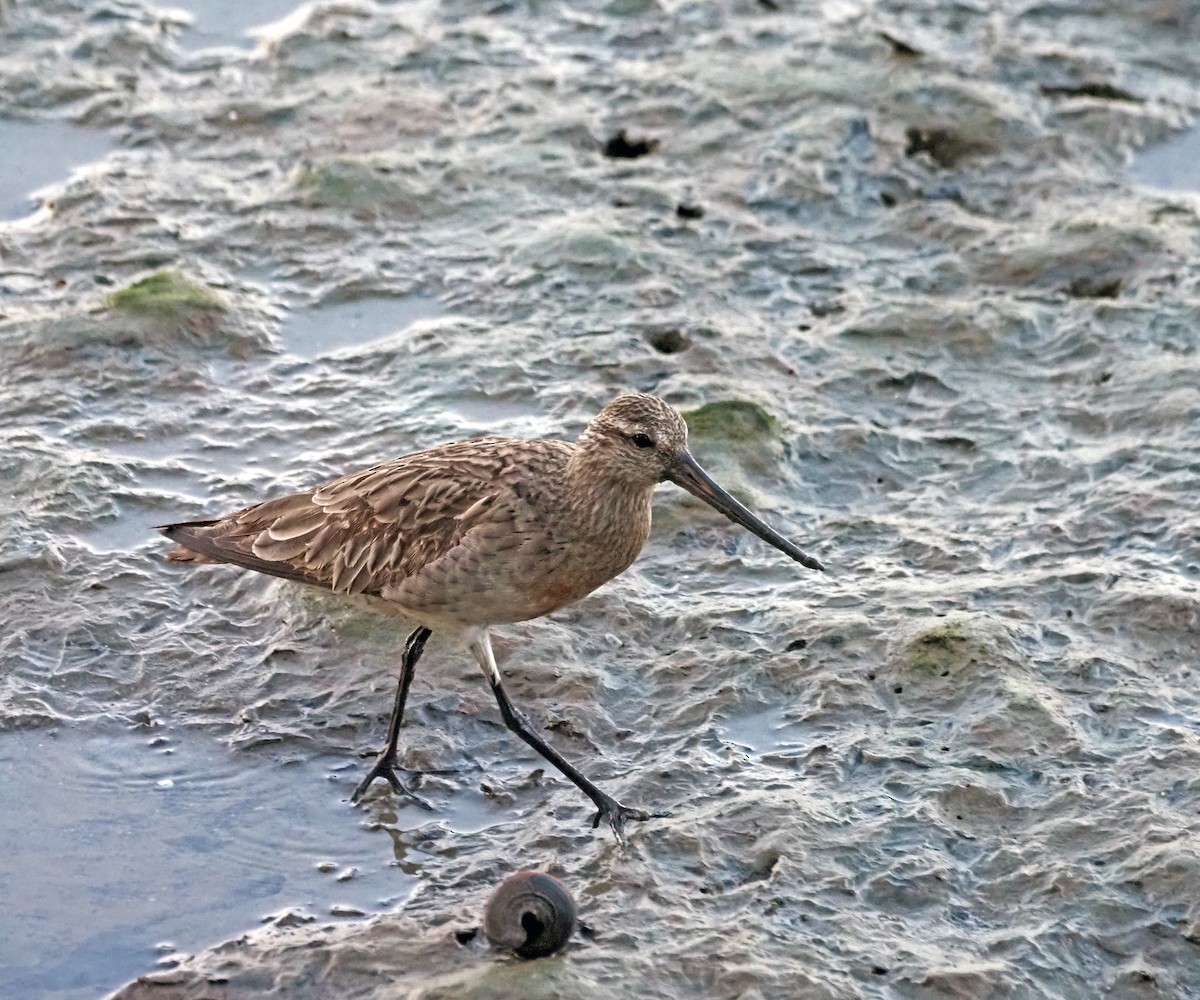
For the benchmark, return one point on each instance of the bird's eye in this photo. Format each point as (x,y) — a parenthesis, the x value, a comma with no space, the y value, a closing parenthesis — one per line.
(642,440)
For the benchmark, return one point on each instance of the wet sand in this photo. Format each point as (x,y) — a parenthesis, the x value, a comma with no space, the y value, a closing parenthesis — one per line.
(926,317)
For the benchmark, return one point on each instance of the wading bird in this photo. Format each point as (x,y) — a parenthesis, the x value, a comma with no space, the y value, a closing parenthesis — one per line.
(477,533)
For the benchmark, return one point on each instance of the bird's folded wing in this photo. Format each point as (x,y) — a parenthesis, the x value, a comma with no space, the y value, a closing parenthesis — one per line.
(367,530)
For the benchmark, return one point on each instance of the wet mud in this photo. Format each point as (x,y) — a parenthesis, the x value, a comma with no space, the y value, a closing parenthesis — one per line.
(893,262)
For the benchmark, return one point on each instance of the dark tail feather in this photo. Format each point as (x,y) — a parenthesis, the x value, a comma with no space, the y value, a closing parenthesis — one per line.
(191,547)
(196,545)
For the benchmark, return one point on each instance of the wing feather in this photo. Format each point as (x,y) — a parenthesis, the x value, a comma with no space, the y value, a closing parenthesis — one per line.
(376,527)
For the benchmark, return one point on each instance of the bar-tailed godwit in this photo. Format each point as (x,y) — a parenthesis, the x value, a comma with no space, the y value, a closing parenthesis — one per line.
(477,533)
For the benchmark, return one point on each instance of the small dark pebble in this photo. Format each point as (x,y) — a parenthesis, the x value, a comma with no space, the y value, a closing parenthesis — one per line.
(668,341)
(289,918)
(954,441)
(796,644)
(825,307)
(878,970)
(621,147)
(899,46)
(946,147)
(1094,288)
(898,689)
(686,210)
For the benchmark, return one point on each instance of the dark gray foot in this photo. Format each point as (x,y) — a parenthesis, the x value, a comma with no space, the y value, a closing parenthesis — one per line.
(384,768)
(618,815)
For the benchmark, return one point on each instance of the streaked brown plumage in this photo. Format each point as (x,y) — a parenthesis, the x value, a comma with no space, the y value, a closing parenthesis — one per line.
(477,533)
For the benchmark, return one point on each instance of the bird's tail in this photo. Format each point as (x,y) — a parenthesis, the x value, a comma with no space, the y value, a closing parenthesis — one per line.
(187,535)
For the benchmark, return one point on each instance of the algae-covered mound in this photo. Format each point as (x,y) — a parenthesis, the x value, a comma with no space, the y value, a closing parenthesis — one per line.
(941,647)
(730,420)
(364,188)
(342,184)
(957,643)
(166,295)
(162,311)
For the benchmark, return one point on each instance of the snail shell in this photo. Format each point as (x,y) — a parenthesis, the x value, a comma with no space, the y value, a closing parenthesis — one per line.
(530,913)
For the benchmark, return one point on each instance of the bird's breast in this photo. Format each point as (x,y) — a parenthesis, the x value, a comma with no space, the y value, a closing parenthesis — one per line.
(524,560)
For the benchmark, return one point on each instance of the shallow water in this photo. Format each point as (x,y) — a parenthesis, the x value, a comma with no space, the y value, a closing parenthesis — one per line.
(960,331)
(230,22)
(36,154)
(1172,165)
(309,333)
(149,840)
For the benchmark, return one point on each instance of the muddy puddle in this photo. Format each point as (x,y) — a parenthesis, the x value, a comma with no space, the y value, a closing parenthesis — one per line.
(1171,165)
(312,332)
(155,847)
(922,276)
(38,154)
(217,23)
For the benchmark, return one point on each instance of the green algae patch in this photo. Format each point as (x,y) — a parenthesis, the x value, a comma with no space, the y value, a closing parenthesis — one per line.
(736,420)
(363,188)
(166,295)
(340,184)
(958,643)
(939,648)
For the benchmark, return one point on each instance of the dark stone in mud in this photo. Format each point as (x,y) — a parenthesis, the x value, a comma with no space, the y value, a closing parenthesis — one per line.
(1094,287)
(1100,91)
(669,341)
(899,46)
(687,210)
(947,147)
(621,147)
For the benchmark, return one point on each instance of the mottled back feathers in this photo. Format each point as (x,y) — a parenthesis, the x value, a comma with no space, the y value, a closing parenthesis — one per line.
(371,529)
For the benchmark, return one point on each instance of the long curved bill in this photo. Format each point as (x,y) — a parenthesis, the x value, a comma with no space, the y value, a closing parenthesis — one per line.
(686,472)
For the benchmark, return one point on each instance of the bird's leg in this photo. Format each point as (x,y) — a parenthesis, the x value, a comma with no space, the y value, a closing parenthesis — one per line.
(607,807)
(385,762)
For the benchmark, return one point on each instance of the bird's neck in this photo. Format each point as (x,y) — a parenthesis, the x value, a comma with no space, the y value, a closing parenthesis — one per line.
(604,504)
